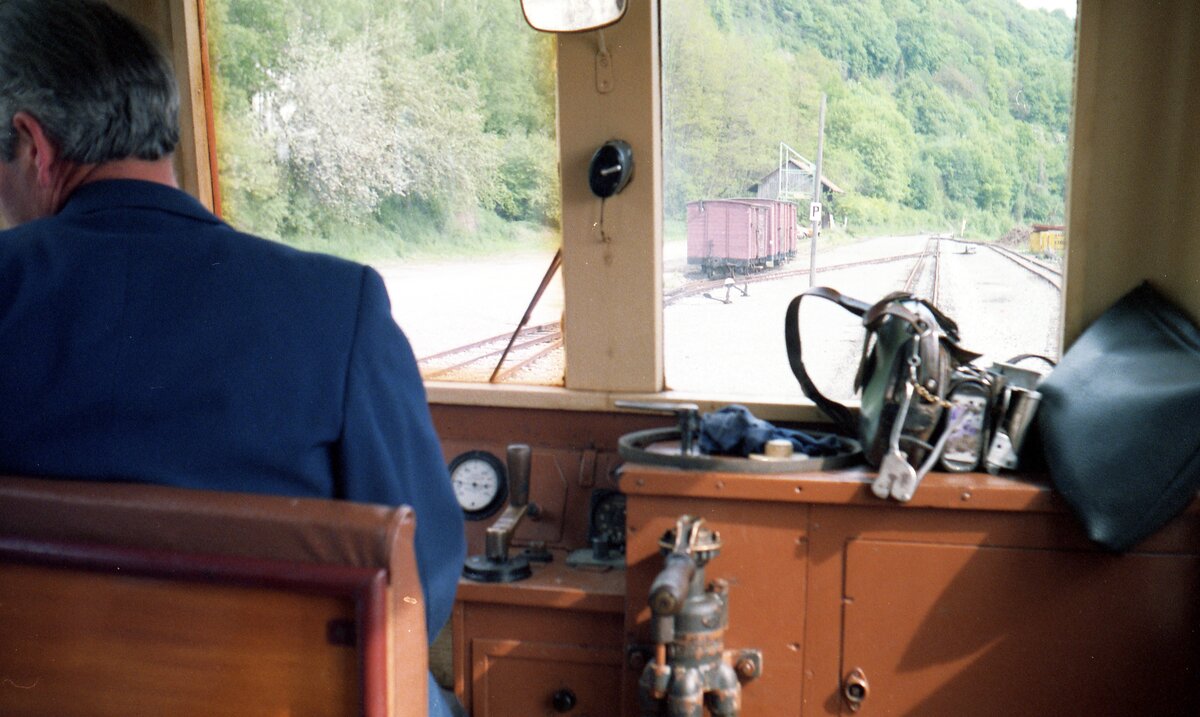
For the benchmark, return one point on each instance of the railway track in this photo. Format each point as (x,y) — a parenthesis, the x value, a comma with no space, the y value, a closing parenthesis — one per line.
(697,288)
(1047,273)
(476,361)
(928,260)
(531,354)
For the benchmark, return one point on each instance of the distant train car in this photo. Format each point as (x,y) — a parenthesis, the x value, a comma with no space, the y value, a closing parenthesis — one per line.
(1047,239)
(781,231)
(740,235)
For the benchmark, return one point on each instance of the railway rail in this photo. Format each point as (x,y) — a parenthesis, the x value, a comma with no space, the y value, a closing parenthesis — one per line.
(479,358)
(538,343)
(928,260)
(1046,272)
(697,288)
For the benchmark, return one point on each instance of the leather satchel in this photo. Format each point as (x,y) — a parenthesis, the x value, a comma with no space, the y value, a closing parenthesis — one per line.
(910,352)
(1120,419)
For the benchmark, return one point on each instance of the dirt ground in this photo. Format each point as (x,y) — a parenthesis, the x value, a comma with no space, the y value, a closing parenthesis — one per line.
(443,305)
(738,347)
(1002,310)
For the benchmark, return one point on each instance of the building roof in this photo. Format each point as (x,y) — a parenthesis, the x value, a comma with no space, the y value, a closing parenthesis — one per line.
(807,167)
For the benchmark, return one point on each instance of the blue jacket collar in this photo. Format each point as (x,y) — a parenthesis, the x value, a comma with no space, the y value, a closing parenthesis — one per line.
(120,194)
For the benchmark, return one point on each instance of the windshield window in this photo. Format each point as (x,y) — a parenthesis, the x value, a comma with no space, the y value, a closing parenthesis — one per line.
(417,137)
(943,153)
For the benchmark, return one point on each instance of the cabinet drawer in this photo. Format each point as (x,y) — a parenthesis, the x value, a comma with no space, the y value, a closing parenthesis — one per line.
(514,678)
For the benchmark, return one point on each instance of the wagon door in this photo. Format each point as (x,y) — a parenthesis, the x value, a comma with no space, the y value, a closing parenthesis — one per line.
(762,232)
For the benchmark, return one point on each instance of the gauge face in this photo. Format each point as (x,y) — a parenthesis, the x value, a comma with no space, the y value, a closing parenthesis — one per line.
(479,483)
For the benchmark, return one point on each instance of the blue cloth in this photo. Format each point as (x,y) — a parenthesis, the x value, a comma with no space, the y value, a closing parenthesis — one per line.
(142,339)
(734,431)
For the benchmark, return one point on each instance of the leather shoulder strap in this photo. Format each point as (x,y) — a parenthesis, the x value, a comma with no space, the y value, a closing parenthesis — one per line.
(791,334)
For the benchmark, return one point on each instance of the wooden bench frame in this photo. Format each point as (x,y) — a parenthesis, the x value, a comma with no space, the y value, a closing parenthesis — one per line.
(313,547)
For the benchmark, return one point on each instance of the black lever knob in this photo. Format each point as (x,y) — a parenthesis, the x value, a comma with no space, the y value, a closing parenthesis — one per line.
(519,463)
(564,700)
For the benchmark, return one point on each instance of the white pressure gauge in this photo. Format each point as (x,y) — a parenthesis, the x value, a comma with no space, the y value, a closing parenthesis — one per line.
(480,483)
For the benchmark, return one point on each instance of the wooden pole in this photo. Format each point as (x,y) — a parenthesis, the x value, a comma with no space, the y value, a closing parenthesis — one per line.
(816,221)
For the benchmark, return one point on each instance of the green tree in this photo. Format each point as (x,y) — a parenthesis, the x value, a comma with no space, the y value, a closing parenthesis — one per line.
(869,136)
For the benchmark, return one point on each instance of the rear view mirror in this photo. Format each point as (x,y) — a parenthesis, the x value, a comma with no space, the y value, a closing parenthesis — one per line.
(571,15)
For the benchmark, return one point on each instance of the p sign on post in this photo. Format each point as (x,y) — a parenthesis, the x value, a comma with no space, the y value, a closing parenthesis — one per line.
(814,212)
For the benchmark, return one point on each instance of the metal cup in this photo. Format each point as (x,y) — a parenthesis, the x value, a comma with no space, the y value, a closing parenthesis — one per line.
(1010,436)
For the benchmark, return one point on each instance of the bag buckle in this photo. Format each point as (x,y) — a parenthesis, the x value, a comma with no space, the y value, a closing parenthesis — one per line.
(895,472)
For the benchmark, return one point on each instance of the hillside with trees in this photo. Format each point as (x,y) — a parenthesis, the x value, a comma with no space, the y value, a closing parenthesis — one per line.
(938,110)
(375,129)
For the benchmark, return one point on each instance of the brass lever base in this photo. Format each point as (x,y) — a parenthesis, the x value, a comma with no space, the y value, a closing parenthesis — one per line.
(483,569)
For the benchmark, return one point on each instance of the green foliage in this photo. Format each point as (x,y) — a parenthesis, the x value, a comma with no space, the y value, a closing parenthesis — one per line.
(253,197)
(928,107)
(491,43)
(377,128)
(877,216)
(866,128)
(938,110)
(925,187)
(334,117)
(528,180)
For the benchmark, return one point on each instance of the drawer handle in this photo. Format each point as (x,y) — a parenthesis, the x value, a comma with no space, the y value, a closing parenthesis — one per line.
(564,700)
(855,689)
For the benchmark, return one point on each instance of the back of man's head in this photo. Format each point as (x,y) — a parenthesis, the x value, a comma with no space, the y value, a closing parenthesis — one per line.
(100,88)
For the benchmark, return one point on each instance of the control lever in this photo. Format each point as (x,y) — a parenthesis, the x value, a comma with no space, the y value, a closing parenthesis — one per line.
(495,565)
(688,415)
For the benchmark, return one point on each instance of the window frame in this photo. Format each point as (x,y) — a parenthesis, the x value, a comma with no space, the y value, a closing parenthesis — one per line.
(179,27)
(613,286)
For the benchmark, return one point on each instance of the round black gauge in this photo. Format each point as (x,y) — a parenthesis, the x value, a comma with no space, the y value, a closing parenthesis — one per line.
(480,483)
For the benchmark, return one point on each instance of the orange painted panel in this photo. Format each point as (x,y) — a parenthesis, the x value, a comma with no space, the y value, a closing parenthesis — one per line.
(964,630)
(764,559)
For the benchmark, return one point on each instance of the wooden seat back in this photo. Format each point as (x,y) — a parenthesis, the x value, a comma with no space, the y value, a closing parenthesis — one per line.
(123,599)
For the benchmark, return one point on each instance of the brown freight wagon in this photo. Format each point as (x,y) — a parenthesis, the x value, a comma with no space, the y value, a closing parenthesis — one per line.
(728,236)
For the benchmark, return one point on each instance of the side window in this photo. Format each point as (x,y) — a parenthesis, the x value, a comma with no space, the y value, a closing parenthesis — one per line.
(417,137)
(943,160)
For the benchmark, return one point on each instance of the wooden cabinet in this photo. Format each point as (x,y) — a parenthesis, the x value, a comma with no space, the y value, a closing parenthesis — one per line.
(979,597)
(549,645)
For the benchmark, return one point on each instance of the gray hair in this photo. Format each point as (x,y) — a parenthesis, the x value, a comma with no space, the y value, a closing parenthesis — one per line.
(99,86)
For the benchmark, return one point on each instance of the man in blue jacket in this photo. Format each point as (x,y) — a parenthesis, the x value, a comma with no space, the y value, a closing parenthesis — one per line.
(143,339)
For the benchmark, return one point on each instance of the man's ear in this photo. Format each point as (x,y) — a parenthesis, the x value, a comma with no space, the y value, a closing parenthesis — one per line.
(43,152)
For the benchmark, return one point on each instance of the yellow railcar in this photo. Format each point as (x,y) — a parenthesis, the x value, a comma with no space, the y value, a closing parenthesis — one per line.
(1047,239)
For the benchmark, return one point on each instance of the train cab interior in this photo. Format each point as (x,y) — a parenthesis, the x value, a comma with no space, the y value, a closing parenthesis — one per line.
(587,523)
